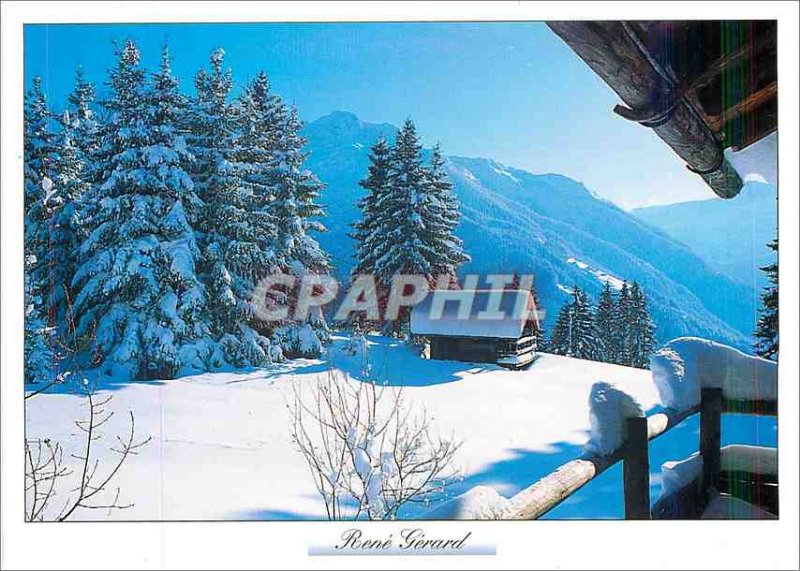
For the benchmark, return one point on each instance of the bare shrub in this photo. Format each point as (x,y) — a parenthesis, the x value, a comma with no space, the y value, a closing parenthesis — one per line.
(368,454)
(44,467)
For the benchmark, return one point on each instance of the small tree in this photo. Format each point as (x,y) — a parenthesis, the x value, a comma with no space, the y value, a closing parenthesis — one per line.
(368,454)
(767,332)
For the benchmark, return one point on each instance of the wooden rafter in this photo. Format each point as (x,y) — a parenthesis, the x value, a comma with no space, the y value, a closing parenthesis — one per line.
(728,60)
(746,105)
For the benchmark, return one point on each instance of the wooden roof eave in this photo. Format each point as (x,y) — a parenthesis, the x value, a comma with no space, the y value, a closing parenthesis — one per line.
(652,96)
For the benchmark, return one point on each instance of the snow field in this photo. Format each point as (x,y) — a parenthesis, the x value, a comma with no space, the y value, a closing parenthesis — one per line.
(221,446)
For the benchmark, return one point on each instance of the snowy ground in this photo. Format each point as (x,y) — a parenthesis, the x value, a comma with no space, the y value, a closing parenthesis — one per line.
(221,447)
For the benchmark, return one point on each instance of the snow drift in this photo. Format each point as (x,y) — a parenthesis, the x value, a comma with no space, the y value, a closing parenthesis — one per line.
(686,365)
(609,407)
(481,502)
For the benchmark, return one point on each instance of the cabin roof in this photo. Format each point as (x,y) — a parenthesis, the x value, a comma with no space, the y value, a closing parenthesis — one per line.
(517,307)
(703,86)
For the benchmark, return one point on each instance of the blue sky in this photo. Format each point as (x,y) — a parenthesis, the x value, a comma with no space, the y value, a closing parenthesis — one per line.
(508,91)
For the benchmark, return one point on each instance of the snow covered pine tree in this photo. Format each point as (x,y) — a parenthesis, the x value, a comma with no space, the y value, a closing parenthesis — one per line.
(137,295)
(621,327)
(605,321)
(409,216)
(66,230)
(259,209)
(297,215)
(232,257)
(39,158)
(367,230)
(642,330)
(574,333)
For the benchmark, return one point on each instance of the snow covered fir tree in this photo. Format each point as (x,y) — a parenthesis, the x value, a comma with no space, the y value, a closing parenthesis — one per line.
(618,330)
(408,217)
(40,156)
(151,215)
(574,333)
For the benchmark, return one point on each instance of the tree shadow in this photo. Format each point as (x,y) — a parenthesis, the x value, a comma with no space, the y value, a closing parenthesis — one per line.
(393,362)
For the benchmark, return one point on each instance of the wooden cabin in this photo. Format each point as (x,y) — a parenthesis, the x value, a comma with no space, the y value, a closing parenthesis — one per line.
(481,326)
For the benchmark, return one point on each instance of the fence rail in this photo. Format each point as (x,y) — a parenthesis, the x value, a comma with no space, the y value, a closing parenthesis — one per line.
(547,493)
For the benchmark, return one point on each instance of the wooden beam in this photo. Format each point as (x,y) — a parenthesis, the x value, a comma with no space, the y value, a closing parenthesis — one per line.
(547,493)
(747,105)
(544,495)
(614,52)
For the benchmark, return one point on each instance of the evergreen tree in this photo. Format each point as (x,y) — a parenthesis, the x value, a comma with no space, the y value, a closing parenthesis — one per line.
(584,334)
(402,212)
(137,293)
(39,144)
(605,322)
(39,355)
(78,143)
(298,216)
(258,122)
(295,208)
(538,333)
(642,330)
(82,121)
(767,333)
(412,216)
(281,202)
(442,219)
(234,214)
(67,232)
(574,333)
(560,339)
(621,331)
(368,231)
(39,160)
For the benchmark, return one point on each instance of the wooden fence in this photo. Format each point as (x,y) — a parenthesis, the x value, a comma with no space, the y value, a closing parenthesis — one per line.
(551,490)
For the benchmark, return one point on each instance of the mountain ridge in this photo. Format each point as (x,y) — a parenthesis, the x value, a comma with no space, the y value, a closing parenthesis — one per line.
(546,224)
(734,235)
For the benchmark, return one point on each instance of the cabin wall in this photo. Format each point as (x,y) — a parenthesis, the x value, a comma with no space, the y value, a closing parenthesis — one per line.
(479,350)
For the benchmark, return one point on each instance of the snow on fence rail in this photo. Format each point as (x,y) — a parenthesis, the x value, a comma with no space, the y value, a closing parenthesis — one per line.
(694,375)
(551,490)
(547,493)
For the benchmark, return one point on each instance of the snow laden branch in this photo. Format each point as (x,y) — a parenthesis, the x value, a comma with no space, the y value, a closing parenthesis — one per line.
(368,452)
(44,467)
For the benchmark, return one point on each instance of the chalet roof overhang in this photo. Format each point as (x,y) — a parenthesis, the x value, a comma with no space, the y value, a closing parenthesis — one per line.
(702,86)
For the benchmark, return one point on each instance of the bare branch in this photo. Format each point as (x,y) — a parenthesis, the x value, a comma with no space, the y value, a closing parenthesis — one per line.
(364,447)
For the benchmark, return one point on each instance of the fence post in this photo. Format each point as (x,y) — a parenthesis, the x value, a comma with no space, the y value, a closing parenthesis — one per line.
(710,433)
(636,470)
